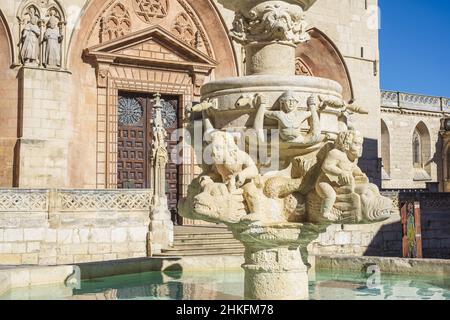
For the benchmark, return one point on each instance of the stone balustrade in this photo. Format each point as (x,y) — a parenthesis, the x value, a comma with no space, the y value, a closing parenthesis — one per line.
(401,100)
(59,226)
(46,200)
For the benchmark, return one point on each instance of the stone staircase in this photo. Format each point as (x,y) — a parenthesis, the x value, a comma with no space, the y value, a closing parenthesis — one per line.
(203,241)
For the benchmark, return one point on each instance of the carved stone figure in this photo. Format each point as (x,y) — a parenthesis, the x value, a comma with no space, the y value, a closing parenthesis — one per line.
(278,214)
(30,39)
(270,22)
(290,120)
(232,165)
(217,195)
(270,199)
(53,38)
(344,190)
(217,204)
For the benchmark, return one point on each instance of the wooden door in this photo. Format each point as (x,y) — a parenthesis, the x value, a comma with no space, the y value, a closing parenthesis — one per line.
(133,142)
(135,112)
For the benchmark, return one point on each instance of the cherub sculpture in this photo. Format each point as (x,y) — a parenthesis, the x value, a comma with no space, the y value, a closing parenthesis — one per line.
(290,120)
(340,169)
(218,195)
(344,189)
(234,166)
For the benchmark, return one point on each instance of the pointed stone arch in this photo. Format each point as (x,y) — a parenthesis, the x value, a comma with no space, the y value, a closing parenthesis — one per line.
(6,37)
(8,105)
(385,150)
(320,57)
(148,59)
(421,152)
(45,13)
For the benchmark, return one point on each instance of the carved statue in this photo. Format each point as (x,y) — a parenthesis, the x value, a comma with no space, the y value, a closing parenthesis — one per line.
(344,190)
(217,196)
(53,39)
(270,22)
(345,109)
(30,39)
(290,120)
(234,166)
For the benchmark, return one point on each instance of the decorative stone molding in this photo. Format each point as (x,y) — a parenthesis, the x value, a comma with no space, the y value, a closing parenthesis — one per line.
(270,21)
(149,10)
(102,77)
(183,29)
(115,24)
(202,37)
(23,200)
(391,99)
(74,200)
(302,69)
(42,34)
(100,200)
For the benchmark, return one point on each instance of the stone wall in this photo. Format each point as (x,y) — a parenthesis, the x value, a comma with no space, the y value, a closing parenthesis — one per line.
(401,114)
(385,239)
(379,239)
(8,108)
(49,227)
(45,129)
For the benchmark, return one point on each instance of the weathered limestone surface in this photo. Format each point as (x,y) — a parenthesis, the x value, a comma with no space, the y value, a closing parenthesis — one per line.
(411,267)
(42,227)
(34,276)
(315,178)
(45,133)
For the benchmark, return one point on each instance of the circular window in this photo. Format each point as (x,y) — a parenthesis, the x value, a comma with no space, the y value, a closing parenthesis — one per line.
(130,111)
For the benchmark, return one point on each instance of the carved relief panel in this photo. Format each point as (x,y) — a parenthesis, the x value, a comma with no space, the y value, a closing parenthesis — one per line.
(121,17)
(183,29)
(115,24)
(41,34)
(147,10)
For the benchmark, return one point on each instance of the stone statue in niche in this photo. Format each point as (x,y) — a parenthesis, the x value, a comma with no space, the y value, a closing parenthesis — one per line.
(30,39)
(291,118)
(344,190)
(53,38)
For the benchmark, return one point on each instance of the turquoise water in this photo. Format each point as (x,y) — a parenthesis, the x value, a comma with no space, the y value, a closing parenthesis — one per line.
(229,286)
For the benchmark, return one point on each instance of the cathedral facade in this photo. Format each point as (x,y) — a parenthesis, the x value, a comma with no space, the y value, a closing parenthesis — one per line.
(78,77)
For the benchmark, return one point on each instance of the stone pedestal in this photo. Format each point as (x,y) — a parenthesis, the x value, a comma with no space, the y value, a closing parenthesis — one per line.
(275,274)
(261,57)
(274,267)
(160,235)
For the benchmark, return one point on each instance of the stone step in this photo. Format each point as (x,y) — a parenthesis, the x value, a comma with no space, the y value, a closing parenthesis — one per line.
(231,252)
(207,247)
(204,236)
(204,241)
(200,242)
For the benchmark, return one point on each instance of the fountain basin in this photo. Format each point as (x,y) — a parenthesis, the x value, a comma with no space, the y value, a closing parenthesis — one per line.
(236,110)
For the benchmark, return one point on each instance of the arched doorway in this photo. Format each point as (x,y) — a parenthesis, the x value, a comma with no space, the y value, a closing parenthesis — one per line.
(8,106)
(132,51)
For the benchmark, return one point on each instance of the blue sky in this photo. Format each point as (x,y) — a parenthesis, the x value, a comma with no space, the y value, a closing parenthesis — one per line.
(415,46)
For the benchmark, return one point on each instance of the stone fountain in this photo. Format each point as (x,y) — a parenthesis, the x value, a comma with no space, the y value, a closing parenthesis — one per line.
(316,182)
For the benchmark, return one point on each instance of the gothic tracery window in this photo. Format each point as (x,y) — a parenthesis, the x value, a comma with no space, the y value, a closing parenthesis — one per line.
(417,150)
